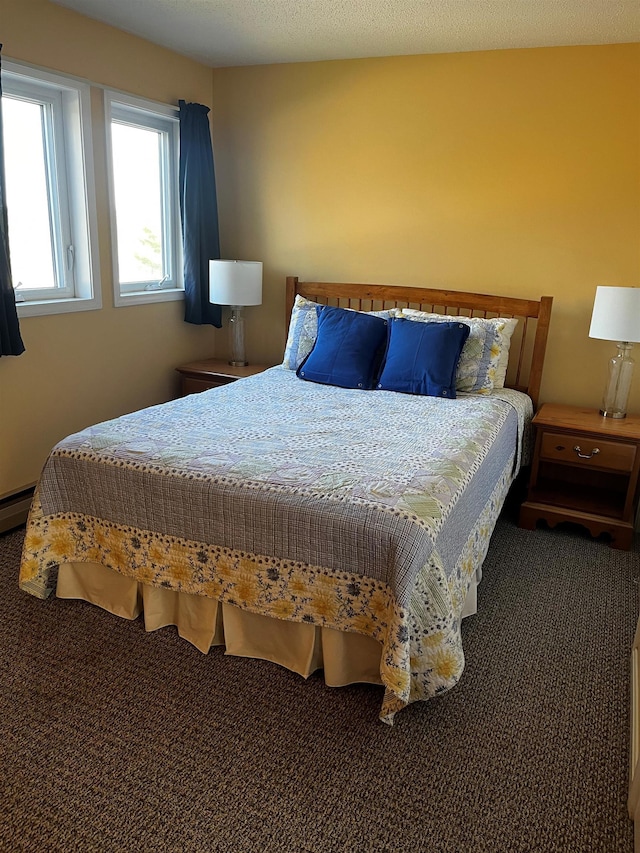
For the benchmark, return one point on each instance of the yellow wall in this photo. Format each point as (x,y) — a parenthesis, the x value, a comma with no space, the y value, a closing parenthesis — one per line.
(513,172)
(90,366)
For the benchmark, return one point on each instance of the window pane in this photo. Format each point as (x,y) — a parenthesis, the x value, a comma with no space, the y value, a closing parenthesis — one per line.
(30,242)
(138,199)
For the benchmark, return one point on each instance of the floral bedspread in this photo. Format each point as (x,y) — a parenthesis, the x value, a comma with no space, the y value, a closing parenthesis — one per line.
(360,511)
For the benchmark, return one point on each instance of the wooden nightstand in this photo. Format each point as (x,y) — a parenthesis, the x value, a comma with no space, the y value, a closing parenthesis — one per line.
(211,373)
(585,470)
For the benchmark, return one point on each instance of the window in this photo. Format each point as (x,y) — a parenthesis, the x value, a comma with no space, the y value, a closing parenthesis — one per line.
(145,215)
(49,181)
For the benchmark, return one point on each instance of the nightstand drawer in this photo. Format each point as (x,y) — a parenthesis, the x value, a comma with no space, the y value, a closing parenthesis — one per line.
(191,385)
(212,373)
(590,452)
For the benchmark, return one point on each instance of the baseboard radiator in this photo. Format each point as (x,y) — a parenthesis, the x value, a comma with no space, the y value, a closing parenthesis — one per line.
(14,509)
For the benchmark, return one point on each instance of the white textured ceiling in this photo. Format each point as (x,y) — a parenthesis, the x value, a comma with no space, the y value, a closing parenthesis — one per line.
(251,32)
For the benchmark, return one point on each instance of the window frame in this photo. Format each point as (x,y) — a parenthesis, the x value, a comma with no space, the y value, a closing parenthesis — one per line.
(68,155)
(140,112)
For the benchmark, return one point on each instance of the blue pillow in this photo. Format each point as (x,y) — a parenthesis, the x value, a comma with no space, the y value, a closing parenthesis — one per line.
(348,349)
(422,357)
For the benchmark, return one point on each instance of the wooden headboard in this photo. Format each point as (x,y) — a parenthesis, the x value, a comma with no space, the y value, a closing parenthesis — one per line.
(528,344)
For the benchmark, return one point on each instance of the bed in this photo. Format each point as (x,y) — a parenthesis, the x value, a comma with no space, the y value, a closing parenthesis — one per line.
(309,524)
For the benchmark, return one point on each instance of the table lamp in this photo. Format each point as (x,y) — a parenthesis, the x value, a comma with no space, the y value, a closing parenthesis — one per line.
(616,317)
(236,283)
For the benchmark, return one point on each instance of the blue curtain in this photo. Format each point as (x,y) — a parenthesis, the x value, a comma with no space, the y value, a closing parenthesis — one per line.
(10,340)
(199,211)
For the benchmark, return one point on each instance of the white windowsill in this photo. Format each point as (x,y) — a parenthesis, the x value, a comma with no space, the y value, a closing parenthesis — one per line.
(142,297)
(39,308)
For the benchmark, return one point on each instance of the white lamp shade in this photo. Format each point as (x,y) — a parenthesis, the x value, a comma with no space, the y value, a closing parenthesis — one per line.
(616,314)
(235,282)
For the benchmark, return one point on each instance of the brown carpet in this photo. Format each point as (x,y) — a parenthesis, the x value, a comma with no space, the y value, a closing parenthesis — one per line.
(112,739)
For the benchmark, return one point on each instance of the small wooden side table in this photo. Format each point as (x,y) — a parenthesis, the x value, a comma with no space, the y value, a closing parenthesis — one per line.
(211,373)
(585,470)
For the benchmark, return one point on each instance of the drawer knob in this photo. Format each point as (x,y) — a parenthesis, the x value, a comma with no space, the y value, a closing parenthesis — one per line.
(582,455)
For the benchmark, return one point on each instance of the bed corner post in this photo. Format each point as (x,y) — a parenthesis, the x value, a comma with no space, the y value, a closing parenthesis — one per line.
(539,347)
(290,298)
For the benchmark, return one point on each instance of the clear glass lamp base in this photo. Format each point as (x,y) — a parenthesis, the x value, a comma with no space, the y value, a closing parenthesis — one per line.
(616,394)
(236,337)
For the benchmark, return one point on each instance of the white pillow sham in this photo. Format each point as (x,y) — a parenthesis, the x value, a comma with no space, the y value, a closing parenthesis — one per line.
(303,330)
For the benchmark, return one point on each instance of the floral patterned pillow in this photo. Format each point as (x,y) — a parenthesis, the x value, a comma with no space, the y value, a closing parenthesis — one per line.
(303,330)
(485,355)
